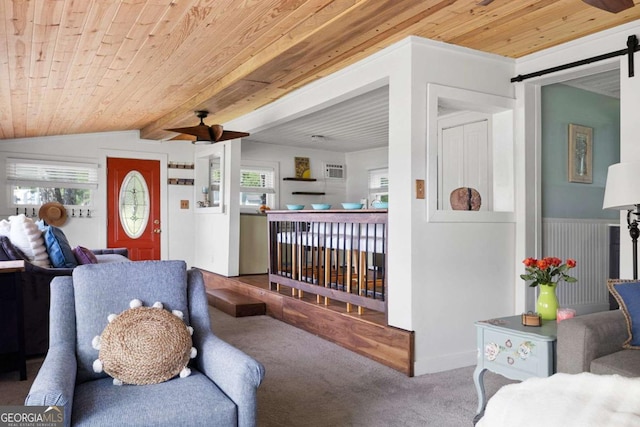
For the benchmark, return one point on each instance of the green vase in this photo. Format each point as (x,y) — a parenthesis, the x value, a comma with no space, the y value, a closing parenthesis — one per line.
(547,305)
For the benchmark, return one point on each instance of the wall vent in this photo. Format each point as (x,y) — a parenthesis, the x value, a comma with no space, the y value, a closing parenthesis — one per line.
(334,171)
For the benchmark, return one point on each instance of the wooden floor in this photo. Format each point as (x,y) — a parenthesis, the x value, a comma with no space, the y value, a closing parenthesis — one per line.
(367,334)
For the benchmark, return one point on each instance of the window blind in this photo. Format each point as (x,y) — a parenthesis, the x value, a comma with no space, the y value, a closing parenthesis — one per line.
(379,180)
(30,172)
(257,180)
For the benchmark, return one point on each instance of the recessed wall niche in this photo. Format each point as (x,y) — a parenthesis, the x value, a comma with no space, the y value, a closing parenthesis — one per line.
(470,143)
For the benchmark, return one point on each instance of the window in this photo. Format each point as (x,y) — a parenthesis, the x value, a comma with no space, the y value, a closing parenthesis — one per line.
(35,182)
(215,181)
(379,185)
(257,186)
(210,179)
(134,204)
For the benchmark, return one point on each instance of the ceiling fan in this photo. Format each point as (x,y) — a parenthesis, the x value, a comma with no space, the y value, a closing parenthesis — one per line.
(207,134)
(613,6)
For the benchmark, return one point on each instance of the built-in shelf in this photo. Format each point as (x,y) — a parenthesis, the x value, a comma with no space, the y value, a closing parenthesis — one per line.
(299,179)
(175,165)
(180,181)
(309,193)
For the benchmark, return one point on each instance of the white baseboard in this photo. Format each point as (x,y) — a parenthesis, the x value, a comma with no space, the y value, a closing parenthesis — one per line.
(444,363)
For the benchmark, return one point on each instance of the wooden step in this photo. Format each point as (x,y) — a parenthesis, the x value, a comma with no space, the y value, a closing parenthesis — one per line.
(235,304)
(367,334)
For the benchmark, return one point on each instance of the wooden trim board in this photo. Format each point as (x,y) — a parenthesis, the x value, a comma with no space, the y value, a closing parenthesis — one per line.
(392,347)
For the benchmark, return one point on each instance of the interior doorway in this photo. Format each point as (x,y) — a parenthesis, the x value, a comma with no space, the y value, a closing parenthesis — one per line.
(573,222)
(133,207)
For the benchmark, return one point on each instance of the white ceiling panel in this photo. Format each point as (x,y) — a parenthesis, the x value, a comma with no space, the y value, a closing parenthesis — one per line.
(362,122)
(356,124)
(607,83)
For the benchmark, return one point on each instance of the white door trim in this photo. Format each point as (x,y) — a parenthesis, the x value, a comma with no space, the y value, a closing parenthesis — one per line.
(103,154)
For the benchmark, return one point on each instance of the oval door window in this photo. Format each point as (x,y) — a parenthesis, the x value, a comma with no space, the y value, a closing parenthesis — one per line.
(134,204)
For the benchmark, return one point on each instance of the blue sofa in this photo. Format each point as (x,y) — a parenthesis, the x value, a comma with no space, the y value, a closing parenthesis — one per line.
(35,295)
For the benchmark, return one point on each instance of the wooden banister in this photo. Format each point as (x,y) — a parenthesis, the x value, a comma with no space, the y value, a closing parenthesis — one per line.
(338,255)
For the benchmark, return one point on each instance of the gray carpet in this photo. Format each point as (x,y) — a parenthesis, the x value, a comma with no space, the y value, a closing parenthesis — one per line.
(311,382)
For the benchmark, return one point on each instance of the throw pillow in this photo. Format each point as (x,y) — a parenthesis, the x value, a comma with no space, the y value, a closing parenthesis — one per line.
(100,289)
(5,228)
(10,250)
(58,248)
(144,345)
(84,255)
(26,236)
(627,293)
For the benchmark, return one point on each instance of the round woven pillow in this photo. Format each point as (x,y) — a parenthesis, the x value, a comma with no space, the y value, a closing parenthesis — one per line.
(145,345)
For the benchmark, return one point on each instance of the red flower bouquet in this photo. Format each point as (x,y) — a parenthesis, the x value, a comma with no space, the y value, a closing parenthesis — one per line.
(548,270)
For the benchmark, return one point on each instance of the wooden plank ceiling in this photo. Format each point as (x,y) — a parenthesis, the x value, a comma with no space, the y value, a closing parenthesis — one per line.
(69,66)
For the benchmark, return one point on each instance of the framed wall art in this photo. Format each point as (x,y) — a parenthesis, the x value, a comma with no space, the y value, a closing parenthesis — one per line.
(302,167)
(580,154)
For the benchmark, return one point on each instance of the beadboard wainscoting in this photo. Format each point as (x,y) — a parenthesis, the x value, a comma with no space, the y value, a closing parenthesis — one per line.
(586,241)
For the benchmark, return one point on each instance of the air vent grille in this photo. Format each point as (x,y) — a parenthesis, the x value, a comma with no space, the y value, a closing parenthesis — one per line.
(334,171)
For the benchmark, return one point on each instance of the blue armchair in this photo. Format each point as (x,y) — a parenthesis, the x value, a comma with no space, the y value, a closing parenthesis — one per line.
(221,389)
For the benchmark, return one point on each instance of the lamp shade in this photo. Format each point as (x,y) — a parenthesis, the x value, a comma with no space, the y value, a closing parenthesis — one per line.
(622,191)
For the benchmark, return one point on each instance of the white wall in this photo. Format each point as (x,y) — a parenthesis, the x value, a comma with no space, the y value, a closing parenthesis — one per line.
(217,235)
(358,165)
(284,157)
(461,271)
(177,226)
(442,276)
(629,147)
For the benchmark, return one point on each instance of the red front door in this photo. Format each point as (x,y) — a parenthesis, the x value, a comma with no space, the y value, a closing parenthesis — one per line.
(133,207)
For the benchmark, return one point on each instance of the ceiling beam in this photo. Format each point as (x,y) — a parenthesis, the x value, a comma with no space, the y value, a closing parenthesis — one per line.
(291,61)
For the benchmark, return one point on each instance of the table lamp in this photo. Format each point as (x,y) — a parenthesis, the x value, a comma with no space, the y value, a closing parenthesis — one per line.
(622,192)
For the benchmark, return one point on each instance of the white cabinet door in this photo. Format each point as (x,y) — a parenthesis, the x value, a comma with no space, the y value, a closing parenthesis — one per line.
(464,162)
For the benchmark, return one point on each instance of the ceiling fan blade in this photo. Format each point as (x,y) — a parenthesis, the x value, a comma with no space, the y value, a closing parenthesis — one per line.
(216,132)
(613,6)
(229,134)
(201,132)
(182,137)
(204,133)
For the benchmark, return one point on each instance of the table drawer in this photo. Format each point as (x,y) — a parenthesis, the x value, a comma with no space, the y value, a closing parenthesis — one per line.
(523,356)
